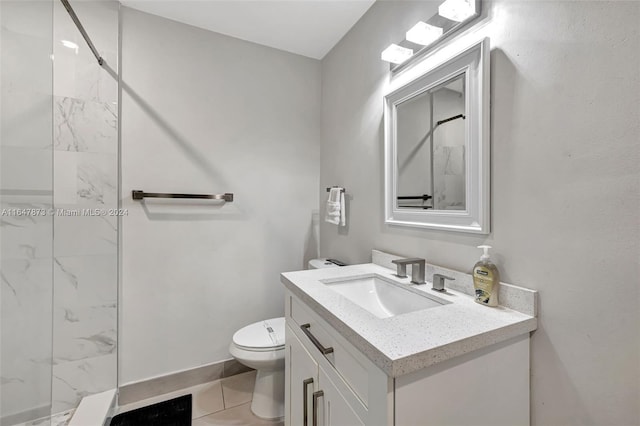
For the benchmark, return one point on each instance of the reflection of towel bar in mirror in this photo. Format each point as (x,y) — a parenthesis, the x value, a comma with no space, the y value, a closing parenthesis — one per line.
(423,197)
(139,195)
(416,207)
(341,189)
(415,197)
(455,117)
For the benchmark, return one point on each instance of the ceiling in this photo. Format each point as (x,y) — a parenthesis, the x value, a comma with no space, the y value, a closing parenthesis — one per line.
(305,27)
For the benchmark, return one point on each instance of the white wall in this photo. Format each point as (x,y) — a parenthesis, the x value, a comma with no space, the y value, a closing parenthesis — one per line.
(206,113)
(565,98)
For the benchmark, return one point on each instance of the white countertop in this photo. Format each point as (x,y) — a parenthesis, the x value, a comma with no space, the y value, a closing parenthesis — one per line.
(409,342)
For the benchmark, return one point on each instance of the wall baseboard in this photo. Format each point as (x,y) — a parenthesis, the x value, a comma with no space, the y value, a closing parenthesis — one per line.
(133,392)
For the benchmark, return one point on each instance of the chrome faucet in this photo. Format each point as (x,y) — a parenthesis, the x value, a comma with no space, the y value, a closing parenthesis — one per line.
(417,274)
(438,282)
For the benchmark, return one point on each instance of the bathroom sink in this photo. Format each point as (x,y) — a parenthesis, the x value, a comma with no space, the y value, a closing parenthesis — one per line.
(381,296)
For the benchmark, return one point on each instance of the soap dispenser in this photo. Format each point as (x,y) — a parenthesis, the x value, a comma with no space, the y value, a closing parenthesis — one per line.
(486,279)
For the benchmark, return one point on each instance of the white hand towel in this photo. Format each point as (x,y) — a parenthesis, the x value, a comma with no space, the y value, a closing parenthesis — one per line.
(335,213)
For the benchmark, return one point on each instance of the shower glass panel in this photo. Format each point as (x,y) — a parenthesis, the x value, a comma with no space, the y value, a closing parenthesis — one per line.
(448,170)
(26,195)
(59,168)
(85,175)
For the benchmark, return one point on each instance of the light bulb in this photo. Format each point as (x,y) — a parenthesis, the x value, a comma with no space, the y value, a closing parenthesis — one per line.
(396,54)
(423,33)
(457,10)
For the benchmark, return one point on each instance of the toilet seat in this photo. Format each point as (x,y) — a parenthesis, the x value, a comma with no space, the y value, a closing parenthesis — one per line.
(261,336)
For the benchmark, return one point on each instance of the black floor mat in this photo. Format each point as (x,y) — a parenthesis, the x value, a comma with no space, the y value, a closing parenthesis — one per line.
(175,412)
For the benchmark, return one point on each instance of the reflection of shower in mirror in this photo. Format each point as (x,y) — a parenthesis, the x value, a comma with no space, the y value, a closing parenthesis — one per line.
(431,132)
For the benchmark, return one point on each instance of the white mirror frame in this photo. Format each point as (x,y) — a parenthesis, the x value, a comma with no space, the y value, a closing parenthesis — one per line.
(473,62)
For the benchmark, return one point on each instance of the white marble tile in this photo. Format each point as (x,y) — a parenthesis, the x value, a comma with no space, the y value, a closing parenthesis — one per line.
(85,235)
(453,159)
(76,379)
(27,295)
(97,179)
(26,169)
(85,179)
(83,281)
(28,394)
(449,184)
(83,333)
(85,125)
(26,236)
(65,189)
(85,312)
(27,124)
(26,300)
(87,75)
(26,78)
(64,84)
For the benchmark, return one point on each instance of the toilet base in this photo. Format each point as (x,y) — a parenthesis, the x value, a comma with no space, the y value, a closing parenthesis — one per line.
(268,394)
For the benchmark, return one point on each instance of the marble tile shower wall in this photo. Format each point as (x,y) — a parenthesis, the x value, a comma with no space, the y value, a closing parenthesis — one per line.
(85,176)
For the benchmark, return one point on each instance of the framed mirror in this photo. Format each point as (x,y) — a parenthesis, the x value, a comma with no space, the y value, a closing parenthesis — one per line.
(437,146)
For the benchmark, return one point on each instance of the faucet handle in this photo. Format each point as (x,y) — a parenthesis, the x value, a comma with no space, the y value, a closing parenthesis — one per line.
(401,268)
(438,282)
(417,274)
(401,265)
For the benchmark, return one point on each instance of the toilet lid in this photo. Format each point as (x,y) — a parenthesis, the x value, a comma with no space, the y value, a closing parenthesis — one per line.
(261,335)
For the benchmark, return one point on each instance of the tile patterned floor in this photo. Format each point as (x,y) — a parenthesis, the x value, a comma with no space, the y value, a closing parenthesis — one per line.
(225,402)
(236,416)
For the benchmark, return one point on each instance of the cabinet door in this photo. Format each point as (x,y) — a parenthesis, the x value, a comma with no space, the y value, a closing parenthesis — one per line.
(301,381)
(333,409)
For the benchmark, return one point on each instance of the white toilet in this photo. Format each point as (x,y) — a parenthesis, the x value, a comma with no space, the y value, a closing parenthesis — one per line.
(261,346)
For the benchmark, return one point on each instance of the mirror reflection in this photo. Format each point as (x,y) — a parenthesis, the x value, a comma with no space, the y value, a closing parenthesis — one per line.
(431,148)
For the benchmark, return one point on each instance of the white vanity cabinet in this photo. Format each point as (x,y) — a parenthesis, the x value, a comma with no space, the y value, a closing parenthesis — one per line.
(348,389)
(317,400)
(488,386)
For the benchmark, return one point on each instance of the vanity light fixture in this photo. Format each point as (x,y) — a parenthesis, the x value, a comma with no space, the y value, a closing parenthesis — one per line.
(424,34)
(396,54)
(451,17)
(457,10)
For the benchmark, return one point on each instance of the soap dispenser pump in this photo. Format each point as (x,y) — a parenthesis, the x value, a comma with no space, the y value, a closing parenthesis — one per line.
(486,279)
